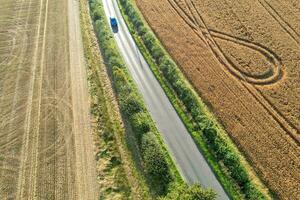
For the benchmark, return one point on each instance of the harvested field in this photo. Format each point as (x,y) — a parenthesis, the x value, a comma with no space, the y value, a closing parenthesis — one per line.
(243,58)
(46,146)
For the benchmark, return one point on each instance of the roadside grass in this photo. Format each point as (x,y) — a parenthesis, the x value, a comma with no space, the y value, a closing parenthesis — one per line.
(238,178)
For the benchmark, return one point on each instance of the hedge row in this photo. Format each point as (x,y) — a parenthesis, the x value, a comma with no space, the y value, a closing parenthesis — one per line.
(155,165)
(222,151)
(194,192)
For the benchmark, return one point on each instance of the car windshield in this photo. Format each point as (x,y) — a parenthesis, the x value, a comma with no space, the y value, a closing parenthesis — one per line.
(113,20)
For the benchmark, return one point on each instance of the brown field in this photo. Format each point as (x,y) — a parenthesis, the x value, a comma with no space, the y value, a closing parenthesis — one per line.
(46,146)
(243,57)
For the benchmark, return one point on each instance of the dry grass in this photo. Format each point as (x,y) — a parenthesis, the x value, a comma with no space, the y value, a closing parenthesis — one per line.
(46,146)
(243,59)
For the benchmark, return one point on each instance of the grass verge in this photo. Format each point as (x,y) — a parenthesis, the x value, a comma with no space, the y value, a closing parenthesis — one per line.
(117,175)
(230,167)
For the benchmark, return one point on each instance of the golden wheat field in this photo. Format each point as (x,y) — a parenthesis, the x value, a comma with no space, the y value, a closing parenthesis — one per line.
(243,58)
(45,140)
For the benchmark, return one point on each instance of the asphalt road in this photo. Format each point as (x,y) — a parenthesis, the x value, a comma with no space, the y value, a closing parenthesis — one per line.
(190,162)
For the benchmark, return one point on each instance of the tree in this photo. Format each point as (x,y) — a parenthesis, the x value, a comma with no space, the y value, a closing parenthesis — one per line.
(149,40)
(140,124)
(142,30)
(157,52)
(131,105)
(121,81)
(155,164)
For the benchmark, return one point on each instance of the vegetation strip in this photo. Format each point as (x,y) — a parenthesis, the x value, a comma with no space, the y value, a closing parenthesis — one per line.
(116,174)
(157,166)
(210,138)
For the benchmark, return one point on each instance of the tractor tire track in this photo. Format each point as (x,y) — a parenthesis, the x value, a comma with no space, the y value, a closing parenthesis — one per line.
(207,34)
(284,24)
(25,150)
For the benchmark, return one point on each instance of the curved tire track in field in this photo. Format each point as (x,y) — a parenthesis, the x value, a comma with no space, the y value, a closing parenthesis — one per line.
(205,34)
(10,137)
(208,35)
(276,72)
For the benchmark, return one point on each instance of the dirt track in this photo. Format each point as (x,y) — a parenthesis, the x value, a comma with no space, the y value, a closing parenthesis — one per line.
(46,147)
(243,58)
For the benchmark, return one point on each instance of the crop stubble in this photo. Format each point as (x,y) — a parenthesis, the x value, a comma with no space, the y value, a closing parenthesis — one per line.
(243,58)
(46,145)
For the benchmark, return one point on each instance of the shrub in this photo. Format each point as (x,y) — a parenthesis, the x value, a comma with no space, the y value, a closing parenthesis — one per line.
(137,22)
(239,174)
(210,133)
(109,52)
(252,193)
(149,40)
(121,81)
(131,105)
(154,162)
(194,192)
(142,30)
(220,149)
(168,70)
(140,124)
(130,11)
(96,15)
(114,61)
(157,52)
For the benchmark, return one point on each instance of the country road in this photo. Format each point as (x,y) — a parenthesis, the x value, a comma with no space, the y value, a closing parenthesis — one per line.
(46,144)
(187,157)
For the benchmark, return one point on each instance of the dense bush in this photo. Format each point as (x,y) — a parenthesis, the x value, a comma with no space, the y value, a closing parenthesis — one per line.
(142,30)
(122,81)
(132,107)
(149,40)
(195,192)
(156,52)
(155,164)
(218,144)
(253,193)
(140,124)
(96,14)
(230,160)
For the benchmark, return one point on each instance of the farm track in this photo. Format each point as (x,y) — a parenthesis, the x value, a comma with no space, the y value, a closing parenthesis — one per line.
(255,120)
(46,149)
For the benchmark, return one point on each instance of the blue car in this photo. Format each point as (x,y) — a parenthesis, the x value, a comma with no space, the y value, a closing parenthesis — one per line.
(113,22)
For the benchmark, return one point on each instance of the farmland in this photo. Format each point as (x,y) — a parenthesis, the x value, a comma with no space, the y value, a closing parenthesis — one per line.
(46,146)
(242,58)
